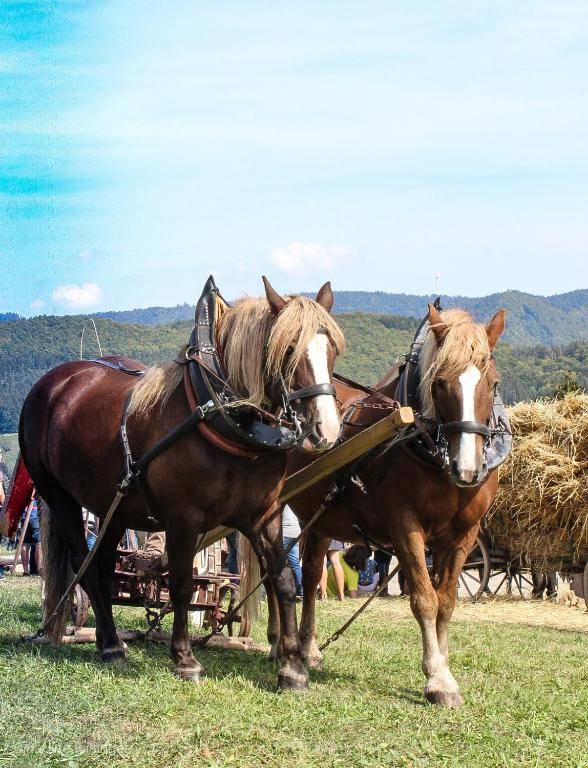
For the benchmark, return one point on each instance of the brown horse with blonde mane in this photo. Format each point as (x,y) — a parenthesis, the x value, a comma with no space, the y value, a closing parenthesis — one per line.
(70,441)
(403,502)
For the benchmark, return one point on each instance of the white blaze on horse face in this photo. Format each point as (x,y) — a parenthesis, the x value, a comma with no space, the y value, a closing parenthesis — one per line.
(326,405)
(466,461)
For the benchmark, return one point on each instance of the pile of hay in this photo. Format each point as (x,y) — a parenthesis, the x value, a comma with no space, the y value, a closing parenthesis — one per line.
(541,510)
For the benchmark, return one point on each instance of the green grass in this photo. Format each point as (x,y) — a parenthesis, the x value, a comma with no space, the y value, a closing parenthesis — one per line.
(526,692)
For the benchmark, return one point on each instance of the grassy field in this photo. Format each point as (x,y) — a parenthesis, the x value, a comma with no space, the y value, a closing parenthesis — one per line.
(526,691)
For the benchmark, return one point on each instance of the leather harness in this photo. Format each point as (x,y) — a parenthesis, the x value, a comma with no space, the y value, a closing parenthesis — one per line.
(234,427)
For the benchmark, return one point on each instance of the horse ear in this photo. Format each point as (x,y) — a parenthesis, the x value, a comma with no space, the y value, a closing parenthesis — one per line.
(325,297)
(436,323)
(276,302)
(495,327)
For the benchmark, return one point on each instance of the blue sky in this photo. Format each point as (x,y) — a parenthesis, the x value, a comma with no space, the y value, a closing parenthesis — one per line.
(146,144)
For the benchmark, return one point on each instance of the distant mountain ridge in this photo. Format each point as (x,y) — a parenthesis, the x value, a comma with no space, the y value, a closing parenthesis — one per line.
(8,317)
(532,320)
(29,348)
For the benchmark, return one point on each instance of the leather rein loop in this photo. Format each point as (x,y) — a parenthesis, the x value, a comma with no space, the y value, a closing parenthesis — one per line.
(311,391)
(469,427)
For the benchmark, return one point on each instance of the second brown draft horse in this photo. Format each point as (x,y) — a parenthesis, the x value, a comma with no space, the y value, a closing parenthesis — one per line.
(70,441)
(402,502)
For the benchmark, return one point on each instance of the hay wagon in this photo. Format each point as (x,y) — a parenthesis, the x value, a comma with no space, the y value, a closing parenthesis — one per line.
(487,561)
(493,565)
(539,520)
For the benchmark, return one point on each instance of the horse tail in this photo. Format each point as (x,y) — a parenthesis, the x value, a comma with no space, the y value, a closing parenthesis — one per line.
(250,578)
(56,570)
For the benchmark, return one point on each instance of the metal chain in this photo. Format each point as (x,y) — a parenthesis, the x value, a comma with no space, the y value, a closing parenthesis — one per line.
(376,406)
(337,634)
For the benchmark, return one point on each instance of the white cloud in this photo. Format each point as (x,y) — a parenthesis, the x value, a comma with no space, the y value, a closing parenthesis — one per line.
(298,258)
(37,304)
(85,254)
(78,296)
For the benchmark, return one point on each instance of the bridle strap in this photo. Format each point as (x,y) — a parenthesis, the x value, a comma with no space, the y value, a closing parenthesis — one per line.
(312,391)
(469,427)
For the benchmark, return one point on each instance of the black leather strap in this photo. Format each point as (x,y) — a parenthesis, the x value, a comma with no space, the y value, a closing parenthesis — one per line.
(118,366)
(311,391)
(469,427)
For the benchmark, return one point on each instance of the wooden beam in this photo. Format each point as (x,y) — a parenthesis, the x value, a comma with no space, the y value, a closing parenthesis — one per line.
(345,453)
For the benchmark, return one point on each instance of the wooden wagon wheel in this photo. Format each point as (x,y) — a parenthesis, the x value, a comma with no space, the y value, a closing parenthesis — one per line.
(475,574)
(79,607)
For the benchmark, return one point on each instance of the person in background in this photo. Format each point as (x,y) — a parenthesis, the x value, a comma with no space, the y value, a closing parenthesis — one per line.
(383,566)
(2,489)
(334,563)
(369,578)
(2,500)
(351,561)
(231,565)
(290,532)
(544,583)
(91,527)
(31,550)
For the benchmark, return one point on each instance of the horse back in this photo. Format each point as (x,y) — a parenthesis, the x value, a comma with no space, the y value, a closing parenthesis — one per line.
(72,415)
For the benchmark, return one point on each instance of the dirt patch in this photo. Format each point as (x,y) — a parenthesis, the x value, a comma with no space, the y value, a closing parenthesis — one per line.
(533,613)
(498,610)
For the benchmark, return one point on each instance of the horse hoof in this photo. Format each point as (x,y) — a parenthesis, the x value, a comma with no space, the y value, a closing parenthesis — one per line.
(273,654)
(315,663)
(292,681)
(189,674)
(449,699)
(117,654)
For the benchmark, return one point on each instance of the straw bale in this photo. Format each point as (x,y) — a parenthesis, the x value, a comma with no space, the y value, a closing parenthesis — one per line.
(541,509)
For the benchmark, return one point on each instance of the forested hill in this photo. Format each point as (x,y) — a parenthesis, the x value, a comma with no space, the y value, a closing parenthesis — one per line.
(8,317)
(547,320)
(28,348)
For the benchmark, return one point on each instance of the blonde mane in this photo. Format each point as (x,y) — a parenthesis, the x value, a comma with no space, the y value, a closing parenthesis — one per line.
(249,334)
(254,347)
(464,343)
(155,387)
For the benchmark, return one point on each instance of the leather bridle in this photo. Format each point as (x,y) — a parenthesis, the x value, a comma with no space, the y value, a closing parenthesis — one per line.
(469,427)
(313,390)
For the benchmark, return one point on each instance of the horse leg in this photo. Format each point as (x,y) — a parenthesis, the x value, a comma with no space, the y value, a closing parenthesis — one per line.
(269,544)
(448,563)
(66,514)
(112,648)
(273,621)
(441,687)
(181,549)
(315,549)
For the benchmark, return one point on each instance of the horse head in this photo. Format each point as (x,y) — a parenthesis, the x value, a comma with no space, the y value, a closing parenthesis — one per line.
(458,384)
(303,345)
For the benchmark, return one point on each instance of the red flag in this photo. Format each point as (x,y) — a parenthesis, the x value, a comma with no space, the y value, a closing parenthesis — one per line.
(20,493)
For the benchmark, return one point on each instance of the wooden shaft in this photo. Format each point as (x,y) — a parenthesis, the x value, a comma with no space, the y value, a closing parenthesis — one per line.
(345,453)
